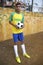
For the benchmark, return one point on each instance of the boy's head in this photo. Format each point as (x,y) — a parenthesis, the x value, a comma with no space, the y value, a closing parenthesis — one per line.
(18,6)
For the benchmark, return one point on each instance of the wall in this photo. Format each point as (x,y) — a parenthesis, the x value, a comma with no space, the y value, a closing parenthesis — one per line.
(33,23)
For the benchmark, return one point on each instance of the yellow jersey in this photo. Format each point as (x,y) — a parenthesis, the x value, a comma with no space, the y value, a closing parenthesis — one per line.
(15,18)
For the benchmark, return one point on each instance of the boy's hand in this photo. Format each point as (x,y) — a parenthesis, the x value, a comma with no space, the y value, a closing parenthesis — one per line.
(15,25)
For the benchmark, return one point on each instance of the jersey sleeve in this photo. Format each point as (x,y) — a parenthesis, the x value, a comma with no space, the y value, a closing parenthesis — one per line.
(22,18)
(11,17)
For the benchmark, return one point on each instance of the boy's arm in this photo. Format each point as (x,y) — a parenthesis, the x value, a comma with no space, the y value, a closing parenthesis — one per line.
(12,24)
(23,20)
(11,19)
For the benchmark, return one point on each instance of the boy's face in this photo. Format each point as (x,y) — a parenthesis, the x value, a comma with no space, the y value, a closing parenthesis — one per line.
(18,8)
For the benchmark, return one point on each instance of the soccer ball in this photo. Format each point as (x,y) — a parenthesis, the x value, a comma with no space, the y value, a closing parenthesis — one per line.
(20,25)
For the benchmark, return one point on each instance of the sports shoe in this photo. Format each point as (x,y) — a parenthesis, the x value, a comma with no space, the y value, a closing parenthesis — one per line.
(18,60)
(26,55)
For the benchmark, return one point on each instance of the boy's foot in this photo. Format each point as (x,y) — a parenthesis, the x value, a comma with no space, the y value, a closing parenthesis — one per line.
(26,55)
(18,60)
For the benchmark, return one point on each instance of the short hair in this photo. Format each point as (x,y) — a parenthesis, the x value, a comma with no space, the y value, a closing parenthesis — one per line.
(18,3)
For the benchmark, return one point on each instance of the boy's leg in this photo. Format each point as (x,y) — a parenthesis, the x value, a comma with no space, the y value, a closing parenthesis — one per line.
(16,50)
(15,37)
(16,53)
(24,51)
(21,38)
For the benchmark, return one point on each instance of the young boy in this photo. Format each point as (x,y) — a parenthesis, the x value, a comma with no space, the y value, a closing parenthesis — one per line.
(15,17)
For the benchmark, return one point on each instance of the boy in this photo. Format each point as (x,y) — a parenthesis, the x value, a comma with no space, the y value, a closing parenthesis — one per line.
(15,17)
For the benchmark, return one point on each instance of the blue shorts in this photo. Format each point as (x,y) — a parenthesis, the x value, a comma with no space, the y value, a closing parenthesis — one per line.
(18,37)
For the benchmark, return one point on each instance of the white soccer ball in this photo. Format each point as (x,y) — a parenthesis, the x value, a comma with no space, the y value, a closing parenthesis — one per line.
(20,25)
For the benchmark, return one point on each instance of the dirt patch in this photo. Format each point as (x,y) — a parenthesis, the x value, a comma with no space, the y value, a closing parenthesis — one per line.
(34,47)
